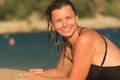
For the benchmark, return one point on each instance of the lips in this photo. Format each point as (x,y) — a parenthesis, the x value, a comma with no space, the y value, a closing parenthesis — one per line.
(66,30)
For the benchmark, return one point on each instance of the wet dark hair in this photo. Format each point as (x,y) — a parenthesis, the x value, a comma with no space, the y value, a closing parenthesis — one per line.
(56,4)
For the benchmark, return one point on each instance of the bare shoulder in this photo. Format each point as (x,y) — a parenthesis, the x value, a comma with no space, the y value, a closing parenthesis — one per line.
(86,44)
(88,35)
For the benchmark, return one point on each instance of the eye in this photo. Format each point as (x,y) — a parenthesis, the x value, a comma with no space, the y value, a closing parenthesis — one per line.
(58,20)
(68,17)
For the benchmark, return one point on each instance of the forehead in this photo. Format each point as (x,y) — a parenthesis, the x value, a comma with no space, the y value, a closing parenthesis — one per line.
(63,9)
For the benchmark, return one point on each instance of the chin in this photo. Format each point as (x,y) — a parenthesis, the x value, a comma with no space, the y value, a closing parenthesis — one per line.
(67,35)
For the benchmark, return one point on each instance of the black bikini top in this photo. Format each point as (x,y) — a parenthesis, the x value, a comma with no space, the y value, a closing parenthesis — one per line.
(101,72)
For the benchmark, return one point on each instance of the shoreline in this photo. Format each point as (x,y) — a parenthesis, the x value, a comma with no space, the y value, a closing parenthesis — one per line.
(25,26)
(100,23)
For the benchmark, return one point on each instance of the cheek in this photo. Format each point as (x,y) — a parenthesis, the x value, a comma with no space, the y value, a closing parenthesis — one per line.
(57,26)
(74,21)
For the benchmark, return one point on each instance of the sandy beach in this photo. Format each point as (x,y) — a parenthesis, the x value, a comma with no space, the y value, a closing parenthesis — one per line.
(39,25)
(16,26)
(9,74)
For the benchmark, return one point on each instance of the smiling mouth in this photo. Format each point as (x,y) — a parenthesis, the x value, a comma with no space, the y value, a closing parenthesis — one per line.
(66,30)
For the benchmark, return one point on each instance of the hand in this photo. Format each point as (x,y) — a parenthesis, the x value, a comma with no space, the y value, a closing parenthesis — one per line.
(32,75)
(36,71)
(28,76)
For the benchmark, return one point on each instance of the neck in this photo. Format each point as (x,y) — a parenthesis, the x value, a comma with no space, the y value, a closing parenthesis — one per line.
(72,39)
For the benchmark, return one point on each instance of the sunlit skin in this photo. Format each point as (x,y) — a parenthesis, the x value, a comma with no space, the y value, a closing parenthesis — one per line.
(64,21)
(87,48)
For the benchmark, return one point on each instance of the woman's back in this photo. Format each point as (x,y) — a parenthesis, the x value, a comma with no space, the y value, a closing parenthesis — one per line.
(106,61)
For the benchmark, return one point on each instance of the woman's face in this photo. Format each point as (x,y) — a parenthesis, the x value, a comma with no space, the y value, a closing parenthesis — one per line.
(64,21)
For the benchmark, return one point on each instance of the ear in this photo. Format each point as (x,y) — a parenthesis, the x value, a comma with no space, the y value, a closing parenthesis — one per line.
(51,24)
(76,17)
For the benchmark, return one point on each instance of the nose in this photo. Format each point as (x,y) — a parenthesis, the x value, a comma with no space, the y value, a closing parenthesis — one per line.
(64,23)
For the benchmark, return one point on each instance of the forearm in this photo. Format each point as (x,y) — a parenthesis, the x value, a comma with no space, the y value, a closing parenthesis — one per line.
(53,78)
(54,72)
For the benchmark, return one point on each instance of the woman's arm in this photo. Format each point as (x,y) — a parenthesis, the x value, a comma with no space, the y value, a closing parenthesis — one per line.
(82,60)
(36,77)
(62,68)
(83,55)
(60,72)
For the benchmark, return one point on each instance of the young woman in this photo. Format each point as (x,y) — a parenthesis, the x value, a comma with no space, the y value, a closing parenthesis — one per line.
(86,55)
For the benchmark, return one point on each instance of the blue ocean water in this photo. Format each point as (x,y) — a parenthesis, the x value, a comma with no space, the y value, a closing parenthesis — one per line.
(31,49)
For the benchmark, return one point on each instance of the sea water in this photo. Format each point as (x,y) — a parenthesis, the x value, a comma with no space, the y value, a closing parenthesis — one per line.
(31,50)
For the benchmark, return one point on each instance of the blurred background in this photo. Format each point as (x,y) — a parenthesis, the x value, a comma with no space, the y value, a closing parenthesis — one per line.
(23,35)
(21,9)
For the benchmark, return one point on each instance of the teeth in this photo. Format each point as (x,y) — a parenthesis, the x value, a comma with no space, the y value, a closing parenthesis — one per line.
(66,30)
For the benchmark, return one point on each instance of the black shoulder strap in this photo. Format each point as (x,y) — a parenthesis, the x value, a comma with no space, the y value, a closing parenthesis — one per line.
(105,51)
(81,30)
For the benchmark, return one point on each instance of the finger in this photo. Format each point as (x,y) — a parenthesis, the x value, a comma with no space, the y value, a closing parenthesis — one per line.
(18,79)
(36,71)
(25,74)
(15,79)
